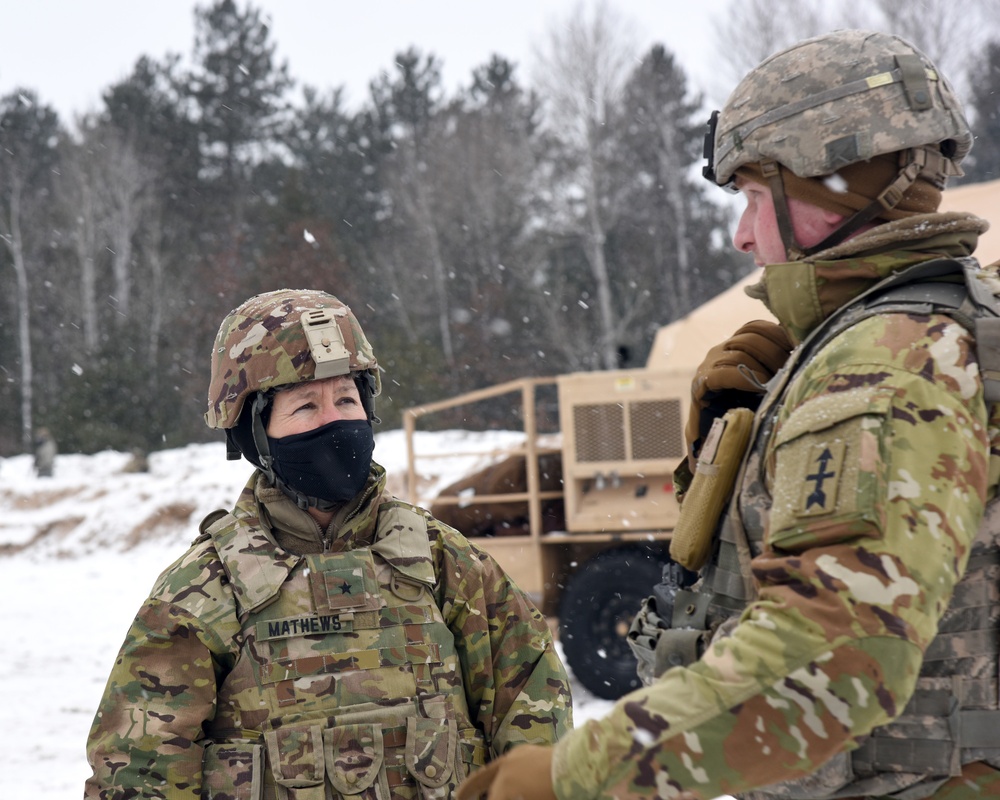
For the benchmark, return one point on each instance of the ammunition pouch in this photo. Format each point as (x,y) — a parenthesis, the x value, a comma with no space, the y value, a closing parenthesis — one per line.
(364,752)
(714,478)
(678,647)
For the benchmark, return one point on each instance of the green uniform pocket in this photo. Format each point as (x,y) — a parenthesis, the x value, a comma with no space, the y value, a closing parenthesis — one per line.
(233,771)
(830,481)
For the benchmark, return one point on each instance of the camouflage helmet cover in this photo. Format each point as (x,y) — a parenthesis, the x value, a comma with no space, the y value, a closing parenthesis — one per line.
(282,337)
(838,99)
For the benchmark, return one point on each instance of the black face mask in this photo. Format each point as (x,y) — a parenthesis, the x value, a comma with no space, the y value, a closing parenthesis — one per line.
(330,463)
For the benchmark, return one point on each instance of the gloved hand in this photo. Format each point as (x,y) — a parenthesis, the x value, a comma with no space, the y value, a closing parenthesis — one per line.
(524,773)
(643,634)
(723,380)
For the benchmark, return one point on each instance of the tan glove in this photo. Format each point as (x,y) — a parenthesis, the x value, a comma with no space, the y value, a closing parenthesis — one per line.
(723,380)
(524,773)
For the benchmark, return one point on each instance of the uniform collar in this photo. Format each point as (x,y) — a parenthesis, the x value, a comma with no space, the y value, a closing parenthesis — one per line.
(801,294)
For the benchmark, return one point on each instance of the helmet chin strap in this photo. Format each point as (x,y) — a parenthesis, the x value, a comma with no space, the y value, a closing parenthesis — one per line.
(260,402)
(771,171)
(912,163)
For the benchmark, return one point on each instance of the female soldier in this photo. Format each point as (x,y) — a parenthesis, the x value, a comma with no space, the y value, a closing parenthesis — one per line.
(322,639)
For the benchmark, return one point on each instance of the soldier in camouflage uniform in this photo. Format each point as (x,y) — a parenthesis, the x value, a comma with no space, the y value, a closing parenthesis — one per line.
(843,638)
(322,639)
(45,453)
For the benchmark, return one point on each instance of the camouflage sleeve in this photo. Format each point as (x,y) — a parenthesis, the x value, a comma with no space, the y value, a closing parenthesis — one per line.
(145,738)
(517,688)
(878,474)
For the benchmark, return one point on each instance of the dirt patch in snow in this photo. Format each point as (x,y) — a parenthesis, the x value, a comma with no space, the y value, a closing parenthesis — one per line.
(163,523)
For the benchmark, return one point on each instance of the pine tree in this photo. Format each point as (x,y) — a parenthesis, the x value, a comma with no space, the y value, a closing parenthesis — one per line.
(665,245)
(239,88)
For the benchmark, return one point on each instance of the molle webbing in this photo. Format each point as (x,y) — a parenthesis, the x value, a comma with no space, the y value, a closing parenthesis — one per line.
(346,660)
(953,717)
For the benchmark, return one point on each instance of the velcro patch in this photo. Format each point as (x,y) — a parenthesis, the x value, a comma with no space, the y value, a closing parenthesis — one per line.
(819,487)
(309,625)
(829,478)
(343,581)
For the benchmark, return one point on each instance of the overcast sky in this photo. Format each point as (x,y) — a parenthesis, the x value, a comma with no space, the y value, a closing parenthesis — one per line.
(70,50)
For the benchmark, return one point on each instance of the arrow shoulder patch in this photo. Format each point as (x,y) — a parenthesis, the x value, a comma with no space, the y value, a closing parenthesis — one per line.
(829,479)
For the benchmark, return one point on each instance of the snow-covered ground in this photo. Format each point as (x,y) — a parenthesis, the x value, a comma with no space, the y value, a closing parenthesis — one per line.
(91,540)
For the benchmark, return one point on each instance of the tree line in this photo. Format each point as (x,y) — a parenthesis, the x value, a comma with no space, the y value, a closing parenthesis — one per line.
(503,230)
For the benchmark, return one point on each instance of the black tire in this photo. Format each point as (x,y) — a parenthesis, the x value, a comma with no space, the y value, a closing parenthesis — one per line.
(599,603)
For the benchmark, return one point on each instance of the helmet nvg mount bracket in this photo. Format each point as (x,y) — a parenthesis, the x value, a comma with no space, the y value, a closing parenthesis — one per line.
(326,343)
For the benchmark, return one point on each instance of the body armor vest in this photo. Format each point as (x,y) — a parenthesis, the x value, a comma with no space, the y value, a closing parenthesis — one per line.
(346,683)
(952,718)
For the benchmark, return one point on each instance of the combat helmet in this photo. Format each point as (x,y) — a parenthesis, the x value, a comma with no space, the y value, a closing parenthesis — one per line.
(835,100)
(275,339)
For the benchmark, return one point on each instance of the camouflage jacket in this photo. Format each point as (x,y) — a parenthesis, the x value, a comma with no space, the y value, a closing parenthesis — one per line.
(240,657)
(850,575)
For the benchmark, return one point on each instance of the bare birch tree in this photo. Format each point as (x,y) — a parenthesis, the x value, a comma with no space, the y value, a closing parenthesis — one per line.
(406,104)
(155,262)
(751,30)
(10,232)
(414,192)
(29,135)
(580,74)
(125,190)
(106,191)
(78,196)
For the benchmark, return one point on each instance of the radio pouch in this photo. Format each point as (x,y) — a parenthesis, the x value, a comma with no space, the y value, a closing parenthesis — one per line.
(714,476)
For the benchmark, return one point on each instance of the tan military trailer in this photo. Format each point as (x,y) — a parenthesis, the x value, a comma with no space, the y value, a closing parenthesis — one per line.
(579,516)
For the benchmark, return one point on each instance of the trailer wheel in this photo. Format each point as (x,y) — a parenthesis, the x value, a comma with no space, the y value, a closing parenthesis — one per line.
(596,610)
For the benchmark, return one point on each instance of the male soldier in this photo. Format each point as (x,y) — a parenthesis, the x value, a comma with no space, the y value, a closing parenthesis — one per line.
(818,655)
(323,639)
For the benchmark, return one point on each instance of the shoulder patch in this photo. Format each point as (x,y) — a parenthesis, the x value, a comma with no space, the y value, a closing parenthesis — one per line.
(829,476)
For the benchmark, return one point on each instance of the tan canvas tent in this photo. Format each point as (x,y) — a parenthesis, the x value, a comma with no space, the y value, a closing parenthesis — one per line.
(983,200)
(682,344)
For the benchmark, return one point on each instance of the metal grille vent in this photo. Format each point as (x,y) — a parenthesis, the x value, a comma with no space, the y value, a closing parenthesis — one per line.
(600,432)
(656,429)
